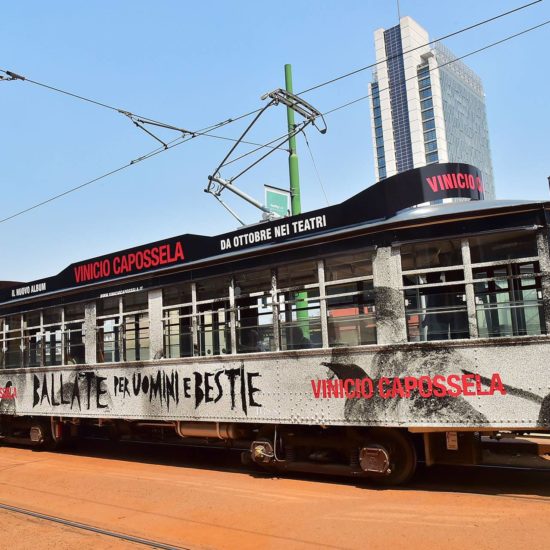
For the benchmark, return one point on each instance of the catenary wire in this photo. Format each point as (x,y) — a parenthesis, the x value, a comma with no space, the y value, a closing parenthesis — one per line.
(440,39)
(315,168)
(180,140)
(205,132)
(170,145)
(154,152)
(479,50)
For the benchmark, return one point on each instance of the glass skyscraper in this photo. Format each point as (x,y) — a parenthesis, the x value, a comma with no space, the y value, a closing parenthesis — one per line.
(426,106)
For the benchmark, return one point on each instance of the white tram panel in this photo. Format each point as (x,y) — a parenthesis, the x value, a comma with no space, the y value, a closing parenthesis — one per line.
(506,386)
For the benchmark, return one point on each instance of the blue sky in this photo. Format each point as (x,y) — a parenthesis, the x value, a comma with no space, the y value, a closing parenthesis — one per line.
(193,64)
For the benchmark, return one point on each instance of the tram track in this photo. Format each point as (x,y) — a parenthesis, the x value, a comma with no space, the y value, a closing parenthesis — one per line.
(143,495)
(86,527)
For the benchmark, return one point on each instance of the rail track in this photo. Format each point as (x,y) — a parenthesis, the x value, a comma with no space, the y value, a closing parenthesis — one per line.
(86,527)
(152,495)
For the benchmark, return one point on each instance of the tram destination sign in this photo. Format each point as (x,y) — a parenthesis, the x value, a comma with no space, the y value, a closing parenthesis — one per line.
(379,202)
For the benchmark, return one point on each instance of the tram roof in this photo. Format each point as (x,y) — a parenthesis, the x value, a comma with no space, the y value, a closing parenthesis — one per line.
(458,208)
(400,204)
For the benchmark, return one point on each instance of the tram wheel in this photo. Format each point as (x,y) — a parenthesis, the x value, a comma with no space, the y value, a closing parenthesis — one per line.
(48,442)
(402,455)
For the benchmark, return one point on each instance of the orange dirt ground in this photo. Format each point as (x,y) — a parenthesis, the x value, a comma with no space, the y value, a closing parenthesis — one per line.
(204,499)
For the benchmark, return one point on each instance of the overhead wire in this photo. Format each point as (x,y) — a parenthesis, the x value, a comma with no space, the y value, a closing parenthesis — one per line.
(315,168)
(204,132)
(152,153)
(169,145)
(473,52)
(440,39)
(182,139)
(362,98)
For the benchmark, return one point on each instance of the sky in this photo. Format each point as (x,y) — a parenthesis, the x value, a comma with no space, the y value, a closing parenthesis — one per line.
(194,64)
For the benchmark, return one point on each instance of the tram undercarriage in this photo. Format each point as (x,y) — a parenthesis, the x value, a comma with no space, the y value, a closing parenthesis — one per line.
(387,456)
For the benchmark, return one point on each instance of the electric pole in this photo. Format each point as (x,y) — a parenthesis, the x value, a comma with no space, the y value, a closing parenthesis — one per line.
(295,199)
(302,312)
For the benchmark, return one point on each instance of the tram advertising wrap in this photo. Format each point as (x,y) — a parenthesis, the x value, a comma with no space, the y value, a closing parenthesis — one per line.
(449,385)
(352,340)
(378,202)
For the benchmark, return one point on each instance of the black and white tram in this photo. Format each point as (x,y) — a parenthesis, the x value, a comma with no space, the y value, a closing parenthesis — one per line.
(357,339)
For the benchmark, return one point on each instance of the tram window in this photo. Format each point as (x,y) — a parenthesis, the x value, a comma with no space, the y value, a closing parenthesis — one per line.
(177,322)
(431,277)
(74,334)
(178,332)
(213,327)
(135,327)
(136,337)
(212,289)
(13,322)
(108,306)
(351,314)
(52,339)
(53,347)
(254,311)
(297,274)
(432,254)
(2,342)
(135,301)
(32,340)
(123,336)
(52,316)
(13,354)
(176,294)
(31,319)
(435,301)
(508,300)
(503,246)
(300,319)
(109,334)
(348,266)
(299,308)
(436,313)
(74,343)
(214,336)
(252,281)
(74,312)
(109,340)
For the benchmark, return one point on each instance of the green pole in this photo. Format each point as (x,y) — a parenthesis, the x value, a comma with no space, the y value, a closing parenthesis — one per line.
(302,312)
(295,199)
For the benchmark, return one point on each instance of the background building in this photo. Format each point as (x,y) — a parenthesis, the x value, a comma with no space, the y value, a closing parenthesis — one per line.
(426,107)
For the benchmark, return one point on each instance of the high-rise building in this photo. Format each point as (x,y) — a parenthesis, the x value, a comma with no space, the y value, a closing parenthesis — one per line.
(427,107)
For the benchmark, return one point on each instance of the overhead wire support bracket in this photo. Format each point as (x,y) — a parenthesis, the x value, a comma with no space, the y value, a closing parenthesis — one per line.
(167,126)
(140,122)
(12,76)
(296,103)
(136,122)
(309,113)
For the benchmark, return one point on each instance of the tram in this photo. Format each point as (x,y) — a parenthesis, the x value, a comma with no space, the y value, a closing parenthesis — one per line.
(397,326)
